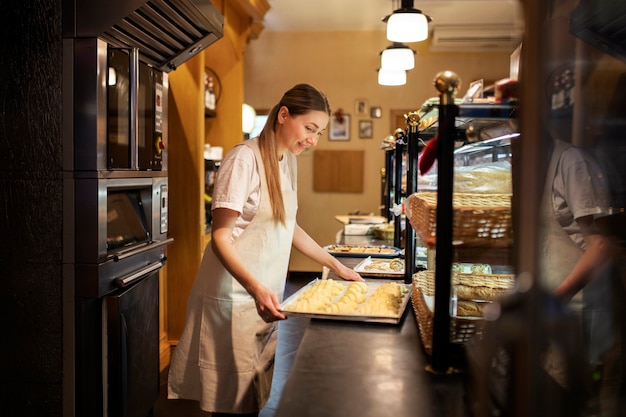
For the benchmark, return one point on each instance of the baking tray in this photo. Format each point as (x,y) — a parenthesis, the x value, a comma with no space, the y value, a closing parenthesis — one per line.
(363,251)
(369,267)
(388,319)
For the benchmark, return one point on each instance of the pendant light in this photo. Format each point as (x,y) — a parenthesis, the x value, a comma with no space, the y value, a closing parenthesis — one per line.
(407,24)
(391,77)
(397,57)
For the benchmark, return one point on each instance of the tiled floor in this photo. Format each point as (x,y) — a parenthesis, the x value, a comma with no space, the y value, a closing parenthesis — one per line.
(289,335)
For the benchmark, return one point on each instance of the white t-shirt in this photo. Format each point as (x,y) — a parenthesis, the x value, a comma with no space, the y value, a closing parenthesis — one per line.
(238,185)
(579,190)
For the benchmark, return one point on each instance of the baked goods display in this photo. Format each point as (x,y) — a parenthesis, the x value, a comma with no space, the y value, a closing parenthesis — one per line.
(465,308)
(350,300)
(361,251)
(380,267)
(467,268)
(471,291)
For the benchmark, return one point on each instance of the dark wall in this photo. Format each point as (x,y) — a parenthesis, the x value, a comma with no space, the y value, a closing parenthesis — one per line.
(31,211)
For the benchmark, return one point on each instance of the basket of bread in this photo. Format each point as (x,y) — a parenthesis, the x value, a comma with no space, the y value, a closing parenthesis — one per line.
(470,293)
(478,219)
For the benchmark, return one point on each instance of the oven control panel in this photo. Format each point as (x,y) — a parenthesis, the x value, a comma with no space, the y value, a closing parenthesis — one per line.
(163,210)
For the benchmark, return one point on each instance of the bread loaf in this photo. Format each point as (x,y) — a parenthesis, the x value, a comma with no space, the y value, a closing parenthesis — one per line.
(469,308)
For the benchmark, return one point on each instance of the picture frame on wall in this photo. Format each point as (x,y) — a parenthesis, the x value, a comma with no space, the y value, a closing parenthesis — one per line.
(366,129)
(339,127)
(212,91)
(360,106)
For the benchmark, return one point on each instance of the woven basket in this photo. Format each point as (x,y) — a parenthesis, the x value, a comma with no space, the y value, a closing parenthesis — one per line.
(461,329)
(478,219)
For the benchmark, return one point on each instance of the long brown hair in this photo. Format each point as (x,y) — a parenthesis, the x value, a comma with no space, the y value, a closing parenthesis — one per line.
(300,99)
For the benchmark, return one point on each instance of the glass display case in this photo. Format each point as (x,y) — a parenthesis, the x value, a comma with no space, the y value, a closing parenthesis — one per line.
(551,344)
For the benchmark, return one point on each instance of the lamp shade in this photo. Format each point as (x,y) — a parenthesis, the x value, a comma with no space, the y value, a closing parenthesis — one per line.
(391,77)
(397,57)
(407,26)
(248,116)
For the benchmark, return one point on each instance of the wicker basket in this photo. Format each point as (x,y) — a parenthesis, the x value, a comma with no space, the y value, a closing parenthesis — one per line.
(479,219)
(461,329)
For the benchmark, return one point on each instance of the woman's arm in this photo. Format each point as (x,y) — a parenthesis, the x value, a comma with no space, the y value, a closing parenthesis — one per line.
(267,303)
(597,254)
(305,244)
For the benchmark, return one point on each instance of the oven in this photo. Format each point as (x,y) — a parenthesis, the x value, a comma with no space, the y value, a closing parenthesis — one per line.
(116,56)
(121,239)
(120,228)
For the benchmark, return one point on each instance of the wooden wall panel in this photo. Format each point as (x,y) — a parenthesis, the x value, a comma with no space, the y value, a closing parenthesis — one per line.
(338,171)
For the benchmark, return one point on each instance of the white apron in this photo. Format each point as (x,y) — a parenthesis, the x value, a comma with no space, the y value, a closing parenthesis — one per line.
(559,254)
(225,356)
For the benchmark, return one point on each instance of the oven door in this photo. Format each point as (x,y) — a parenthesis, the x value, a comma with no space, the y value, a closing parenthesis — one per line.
(131,343)
(135,110)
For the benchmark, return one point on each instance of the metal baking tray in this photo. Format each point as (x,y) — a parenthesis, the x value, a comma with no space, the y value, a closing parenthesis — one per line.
(372,285)
(369,267)
(363,251)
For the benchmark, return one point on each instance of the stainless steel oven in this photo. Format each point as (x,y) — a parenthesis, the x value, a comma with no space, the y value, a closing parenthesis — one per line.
(120,227)
(117,55)
(121,239)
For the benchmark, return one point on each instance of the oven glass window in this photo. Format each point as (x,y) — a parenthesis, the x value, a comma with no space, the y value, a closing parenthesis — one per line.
(118,80)
(126,220)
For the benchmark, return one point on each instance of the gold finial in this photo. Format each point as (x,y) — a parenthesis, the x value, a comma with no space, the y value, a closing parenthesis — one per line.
(448,84)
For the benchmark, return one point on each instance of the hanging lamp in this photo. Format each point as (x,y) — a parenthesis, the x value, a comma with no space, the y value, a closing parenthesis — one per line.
(407,24)
(397,56)
(391,77)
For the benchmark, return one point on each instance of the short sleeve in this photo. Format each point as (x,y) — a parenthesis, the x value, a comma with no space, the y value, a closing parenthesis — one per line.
(237,180)
(584,183)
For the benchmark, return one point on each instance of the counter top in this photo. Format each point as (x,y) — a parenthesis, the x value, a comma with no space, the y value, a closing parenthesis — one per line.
(345,368)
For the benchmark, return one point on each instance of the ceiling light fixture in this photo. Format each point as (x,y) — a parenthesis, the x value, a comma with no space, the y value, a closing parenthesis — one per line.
(407,24)
(397,57)
(391,77)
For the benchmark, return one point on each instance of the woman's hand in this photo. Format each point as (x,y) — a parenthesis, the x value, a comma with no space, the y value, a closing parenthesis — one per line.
(267,304)
(346,273)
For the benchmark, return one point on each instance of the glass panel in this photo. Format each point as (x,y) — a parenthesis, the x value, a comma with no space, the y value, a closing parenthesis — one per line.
(118,81)
(126,219)
(581,211)
(146,104)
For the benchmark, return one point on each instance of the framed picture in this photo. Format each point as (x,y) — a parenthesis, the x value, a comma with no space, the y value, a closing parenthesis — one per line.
(339,127)
(212,91)
(360,106)
(376,112)
(366,128)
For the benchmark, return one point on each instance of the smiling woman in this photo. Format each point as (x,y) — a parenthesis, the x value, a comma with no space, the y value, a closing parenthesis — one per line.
(234,304)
